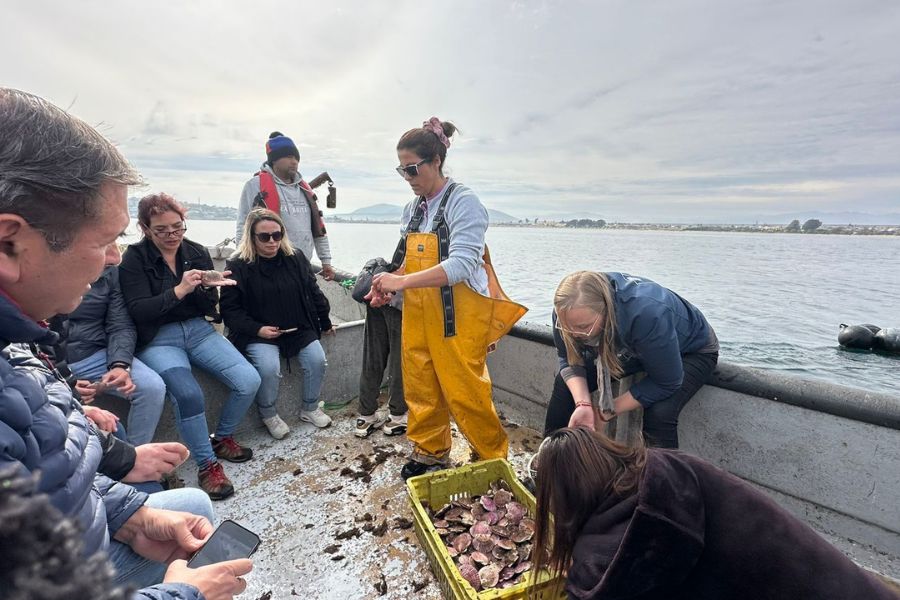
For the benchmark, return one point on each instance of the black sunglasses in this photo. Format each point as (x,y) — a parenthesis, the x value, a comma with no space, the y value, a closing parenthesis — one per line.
(410,170)
(265,237)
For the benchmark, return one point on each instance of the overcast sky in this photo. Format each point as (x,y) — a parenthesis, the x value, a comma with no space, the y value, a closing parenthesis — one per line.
(633,110)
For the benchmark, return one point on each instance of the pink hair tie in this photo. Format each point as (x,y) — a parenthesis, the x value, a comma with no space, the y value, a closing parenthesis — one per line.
(434,125)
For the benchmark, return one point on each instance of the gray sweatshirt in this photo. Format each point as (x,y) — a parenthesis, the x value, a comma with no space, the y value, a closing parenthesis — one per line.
(294,212)
(468,222)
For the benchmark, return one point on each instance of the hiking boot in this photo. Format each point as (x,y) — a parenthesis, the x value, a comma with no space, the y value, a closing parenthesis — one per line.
(365,425)
(396,425)
(277,427)
(227,449)
(214,482)
(316,417)
(415,468)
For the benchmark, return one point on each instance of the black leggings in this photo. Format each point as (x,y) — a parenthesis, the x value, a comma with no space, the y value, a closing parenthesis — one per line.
(660,418)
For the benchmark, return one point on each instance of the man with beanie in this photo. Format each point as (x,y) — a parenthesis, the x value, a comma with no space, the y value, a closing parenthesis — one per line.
(279,187)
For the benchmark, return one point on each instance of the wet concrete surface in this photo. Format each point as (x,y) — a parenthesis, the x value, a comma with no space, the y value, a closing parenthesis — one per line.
(333,513)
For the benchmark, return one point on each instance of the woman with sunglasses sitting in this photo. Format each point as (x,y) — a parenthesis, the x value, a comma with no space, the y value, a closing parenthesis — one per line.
(659,525)
(277,310)
(170,288)
(453,307)
(625,324)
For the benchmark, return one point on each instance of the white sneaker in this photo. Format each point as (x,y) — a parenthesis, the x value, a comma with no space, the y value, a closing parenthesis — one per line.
(366,425)
(316,417)
(277,427)
(396,425)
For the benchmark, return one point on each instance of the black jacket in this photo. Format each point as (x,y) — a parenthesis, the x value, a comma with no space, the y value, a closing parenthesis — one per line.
(102,321)
(243,312)
(695,532)
(148,286)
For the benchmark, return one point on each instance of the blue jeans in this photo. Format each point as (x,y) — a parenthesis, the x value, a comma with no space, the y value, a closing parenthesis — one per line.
(134,569)
(266,360)
(146,399)
(175,348)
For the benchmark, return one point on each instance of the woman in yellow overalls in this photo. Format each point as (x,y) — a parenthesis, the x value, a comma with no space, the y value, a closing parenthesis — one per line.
(453,307)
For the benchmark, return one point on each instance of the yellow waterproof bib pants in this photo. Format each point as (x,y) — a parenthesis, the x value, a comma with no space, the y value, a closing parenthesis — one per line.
(448,376)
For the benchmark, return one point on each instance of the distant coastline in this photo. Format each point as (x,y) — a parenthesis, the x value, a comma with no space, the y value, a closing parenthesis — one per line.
(821,229)
(211,212)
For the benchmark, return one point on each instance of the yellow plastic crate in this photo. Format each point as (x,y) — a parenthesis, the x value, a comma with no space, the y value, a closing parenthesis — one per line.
(441,487)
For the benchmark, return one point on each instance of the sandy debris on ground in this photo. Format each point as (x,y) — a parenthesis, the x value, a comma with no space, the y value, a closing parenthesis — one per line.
(333,513)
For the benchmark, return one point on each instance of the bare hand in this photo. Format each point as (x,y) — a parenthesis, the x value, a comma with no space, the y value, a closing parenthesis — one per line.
(219,581)
(214,278)
(376,298)
(328,331)
(268,332)
(86,390)
(119,378)
(582,417)
(103,419)
(155,460)
(164,535)
(388,282)
(327,272)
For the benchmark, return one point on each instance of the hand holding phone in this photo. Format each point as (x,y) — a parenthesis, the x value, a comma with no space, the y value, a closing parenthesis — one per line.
(228,542)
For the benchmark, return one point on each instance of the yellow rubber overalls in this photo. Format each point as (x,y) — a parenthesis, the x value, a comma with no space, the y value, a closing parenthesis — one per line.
(448,376)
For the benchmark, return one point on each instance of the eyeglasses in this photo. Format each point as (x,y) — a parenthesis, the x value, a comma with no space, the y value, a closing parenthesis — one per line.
(266,237)
(578,333)
(175,232)
(410,170)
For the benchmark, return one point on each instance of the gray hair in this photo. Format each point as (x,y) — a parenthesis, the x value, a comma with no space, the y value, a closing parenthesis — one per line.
(52,166)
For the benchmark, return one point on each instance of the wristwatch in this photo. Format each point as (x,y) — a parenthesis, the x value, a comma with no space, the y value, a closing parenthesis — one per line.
(119,365)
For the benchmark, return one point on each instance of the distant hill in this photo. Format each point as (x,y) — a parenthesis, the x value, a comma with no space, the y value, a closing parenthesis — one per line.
(393,212)
(196,211)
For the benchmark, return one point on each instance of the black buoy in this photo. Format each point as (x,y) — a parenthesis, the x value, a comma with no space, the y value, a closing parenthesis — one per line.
(887,340)
(873,328)
(858,337)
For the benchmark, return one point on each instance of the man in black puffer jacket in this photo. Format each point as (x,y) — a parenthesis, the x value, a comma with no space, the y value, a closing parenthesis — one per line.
(63,205)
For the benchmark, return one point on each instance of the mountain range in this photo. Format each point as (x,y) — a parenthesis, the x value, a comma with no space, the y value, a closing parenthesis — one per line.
(393,212)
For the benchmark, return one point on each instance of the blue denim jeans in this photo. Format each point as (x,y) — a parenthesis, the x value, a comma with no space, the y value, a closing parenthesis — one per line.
(146,400)
(266,360)
(175,348)
(132,568)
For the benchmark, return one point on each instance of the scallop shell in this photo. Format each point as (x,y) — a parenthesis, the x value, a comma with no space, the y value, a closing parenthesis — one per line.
(483,544)
(462,542)
(480,558)
(464,559)
(480,528)
(470,574)
(489,576)
(488,503)
(523,566)
(502,497)
(453,552)
(515,512)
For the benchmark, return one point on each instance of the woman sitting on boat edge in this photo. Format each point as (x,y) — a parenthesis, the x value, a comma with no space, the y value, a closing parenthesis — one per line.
(168,292)
(277,310)
(625,324)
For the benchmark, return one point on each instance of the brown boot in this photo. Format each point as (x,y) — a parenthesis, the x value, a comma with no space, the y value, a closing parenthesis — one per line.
(215,482)
(228,449)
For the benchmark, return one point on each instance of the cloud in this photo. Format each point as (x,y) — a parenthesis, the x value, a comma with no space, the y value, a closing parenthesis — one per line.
(652,110)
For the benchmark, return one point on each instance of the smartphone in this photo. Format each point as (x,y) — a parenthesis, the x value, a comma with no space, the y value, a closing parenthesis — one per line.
(291,330)
(228,542)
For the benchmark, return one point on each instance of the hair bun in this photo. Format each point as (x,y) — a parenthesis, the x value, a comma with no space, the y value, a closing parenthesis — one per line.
(275,134)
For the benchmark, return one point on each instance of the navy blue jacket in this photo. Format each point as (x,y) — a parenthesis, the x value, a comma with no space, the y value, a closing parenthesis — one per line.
(43,429)
(655,326)
(102,321)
